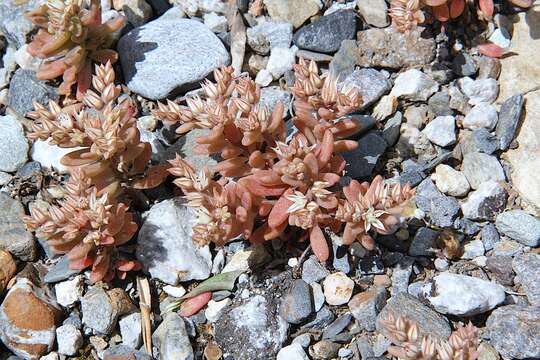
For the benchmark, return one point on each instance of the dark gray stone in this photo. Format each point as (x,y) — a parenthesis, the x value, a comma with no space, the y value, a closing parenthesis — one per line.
(485,202)
(463,65)
(520,226)
(327,33)
(439,104)
(466,226)
(297,304)
(337,326)
(509,118)
(441,209)
(25,88)
(401,275)
(391,128)
(13,235)
(501,268)
(514,331)
(98,312)
(321,320)
(489,236)
(370,265)
(479,140)
(479,168)
(362,161)
(60,271)
(527,268)
(424,242)
(313,271)
(366,306)
(344,61)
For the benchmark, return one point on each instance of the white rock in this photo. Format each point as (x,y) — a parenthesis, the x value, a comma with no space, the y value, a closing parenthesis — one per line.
(130,329)
(500,37)
(268,35)
(463,295)
(241,260)
(374,12)
(482,115)
(13,144)
(473,249)
(219,262)
(215,309)
(479,91)
(49,156)
(441,131)
(3,96)
(4,78)
(215,22)
(147,123)
(69,339)
(263,78)
(292,262)
(218,6)
(50,356)
(318,296)
(414,85)
(339,6)
(292,352)
(165,246)
(480,261)
(450,181)
(485,202)
(441,264)
(338,288)
(281,60)
(175,291)
(70,291)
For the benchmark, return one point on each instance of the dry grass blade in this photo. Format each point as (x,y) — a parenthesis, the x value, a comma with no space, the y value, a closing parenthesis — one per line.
(145,302)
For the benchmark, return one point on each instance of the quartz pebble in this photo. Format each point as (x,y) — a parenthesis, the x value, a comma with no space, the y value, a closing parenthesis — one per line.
(338,288)
(441,131)
(450,181)
(414,85)
(481,116)
(479,91)
(70,291)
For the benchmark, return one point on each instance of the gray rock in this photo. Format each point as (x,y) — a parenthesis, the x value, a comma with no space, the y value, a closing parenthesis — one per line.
(336,327)
(326,34)
(520,226)
(441,130)
(303,340)
(479,168)
(340,260)
(486,202)
(371,84)
(507,248)
(401,275)
(527,269)
(429,321)
(98,311)
(391,49)
(250,330)
(272,95)
(165,246)
(13,144)
(479,91)
(313,271)
(439,104)
(488,67)
(322,319)
(13,25)
(374,12)
(466,226)
(463,295)
(344,61)
(125,351)
(130,329)
(414,85)
(481,116)
(292,352)
(267,35)
(473,249)
(441,209)
(509,119)
(366,306)
(25,88)
(424,242)
(172,340)
(297,304)
(463,65)
(500,267)
(514,331)
(391,128)
(146,51)
(69,339)
(479,140)
(13,235)
(362,160)
(489,236)
(60,271)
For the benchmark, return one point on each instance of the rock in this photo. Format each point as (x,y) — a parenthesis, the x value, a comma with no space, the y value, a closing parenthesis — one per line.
(485,202)
(268,35)
(322,319)
(13,235)
(479,140)
(123,352)
(520,226)
(130,329)
(441,131)
(165,248)
(401,275)
(25,88)
(370,265)
(13,144)
(295,12)
(473,249)
(272,95)
(439,104)
(313,271)
(481,116)
(28,320)
(509,119)
(337,7)
(391,129)
(215,309)
(49,155)
(424,242)
(13,25)
(324,349)
(60,271)
(250,330)
(463,65)
(281,60)
(488,67)
(440,264)
(69,339)
(371,84)
(338,288)
(429,321)
(391,49)
(479,168)
(450,181)
(137,12)
(489,236)
(527,269)
(145,51)
(499,267)
(514,331)
(263,78)
(337,326)
(366,306)
(292,352)
(463,295)
(247,259)
(340,259)
(315,56)
(215,22)
(297,305)
(326,34)
(374,12)
(500,37)
(414,85)
(441,209)
(303,340)
(362,161)
(100,309)
(172,340)
(25,60)
(507,248)
(318,296)
(69,292)
(479,91)
(344,61)
(8,269)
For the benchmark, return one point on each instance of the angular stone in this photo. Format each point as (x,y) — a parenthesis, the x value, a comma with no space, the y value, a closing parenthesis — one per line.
(171,338)
(424,242)
(414,85)
(479,168)
(130,329)
(69,339)
(13,235)
(509,118)
(479,140)
(441,131)
(13,25)
(365,307)
(326,34)
(267,35)
(527,269)
(479,91)
(500,268)
(520,226)
(344,61)
(450,181)
(295,12)
(481,116)
(100,309)
(313,271)
(371,84)
(292,352)
(25,88)
(486,202)
(297,304)
(13,144)
(441,209)
(374,12)
(362,161)
(489,236)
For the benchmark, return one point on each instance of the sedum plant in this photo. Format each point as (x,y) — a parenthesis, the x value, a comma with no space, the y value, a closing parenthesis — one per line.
(88,227)
(70,37)
(104,137)
(272,186)
(409,345)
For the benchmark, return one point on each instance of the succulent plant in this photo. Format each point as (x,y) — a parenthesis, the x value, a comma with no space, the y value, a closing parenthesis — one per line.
(70,38)
(103,133)
(88,227)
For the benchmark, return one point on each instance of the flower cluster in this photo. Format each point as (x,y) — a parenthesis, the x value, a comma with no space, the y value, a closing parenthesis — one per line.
(70,38)
(272,186)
